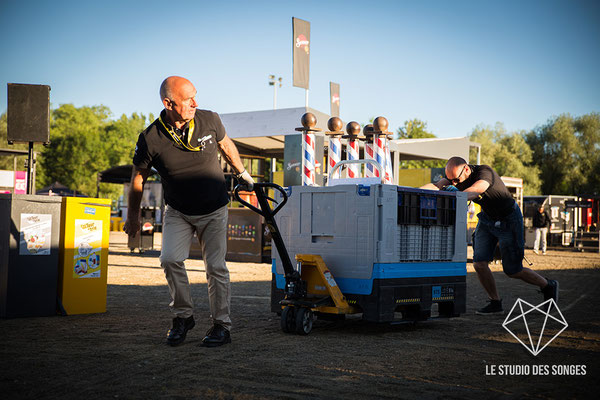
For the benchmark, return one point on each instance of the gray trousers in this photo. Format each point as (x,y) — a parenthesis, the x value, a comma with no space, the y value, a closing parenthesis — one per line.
(211,229)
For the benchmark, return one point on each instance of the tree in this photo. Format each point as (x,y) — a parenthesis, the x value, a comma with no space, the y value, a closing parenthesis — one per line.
(417,129)
(414,129)
(508,154)
(84,141)
(566,151)
(121,137)
(77,151)
(588,127)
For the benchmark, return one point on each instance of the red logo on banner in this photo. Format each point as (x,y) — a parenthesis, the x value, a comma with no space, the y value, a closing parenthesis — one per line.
(335,98)
(20,182)
(302,42)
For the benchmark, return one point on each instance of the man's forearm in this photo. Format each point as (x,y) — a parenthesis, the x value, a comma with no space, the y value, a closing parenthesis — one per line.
(231,155)
(136,190)
(134,199)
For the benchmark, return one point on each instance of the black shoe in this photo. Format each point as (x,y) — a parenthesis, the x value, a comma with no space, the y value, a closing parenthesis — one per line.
(551,290)
(495,307)
(218,335)
(176,334)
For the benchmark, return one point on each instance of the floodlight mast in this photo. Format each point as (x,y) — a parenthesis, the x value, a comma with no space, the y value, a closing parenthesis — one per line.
(273,82)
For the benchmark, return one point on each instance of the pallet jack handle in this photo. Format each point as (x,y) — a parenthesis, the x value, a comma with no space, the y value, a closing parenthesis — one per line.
(294,287)
(265,208)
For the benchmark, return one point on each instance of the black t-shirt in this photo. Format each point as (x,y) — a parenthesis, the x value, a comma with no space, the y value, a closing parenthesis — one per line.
(193,181)
(496,201)
(541,220)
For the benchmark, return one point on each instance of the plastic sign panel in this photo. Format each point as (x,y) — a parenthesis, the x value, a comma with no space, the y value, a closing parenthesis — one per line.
(88,245)
(35,234)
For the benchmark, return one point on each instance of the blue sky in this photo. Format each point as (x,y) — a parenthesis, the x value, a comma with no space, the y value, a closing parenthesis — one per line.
(452,64)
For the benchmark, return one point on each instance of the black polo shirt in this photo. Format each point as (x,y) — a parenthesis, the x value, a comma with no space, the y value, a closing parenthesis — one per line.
(193,181)
(496,201)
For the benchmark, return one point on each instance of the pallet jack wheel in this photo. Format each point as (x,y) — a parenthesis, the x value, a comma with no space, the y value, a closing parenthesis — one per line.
(288,319)
(304,321)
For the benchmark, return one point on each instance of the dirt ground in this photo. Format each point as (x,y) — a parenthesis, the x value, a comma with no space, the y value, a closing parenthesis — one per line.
(122,353)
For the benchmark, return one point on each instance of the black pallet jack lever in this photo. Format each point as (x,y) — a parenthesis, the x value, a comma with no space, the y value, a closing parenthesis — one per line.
(294,286)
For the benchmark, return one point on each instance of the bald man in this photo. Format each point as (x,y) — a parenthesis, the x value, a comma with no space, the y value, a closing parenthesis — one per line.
(182,145)
(499,222)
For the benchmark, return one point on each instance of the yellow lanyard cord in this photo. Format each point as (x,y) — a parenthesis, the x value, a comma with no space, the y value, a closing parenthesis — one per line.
(178,140)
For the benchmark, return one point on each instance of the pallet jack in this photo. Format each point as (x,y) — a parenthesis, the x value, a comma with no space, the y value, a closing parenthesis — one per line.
(310,288)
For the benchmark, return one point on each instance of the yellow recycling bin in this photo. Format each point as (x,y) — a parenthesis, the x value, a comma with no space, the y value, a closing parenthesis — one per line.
(83,262)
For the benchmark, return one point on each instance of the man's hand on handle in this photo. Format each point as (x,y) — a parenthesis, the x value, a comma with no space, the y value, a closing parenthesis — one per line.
(246,180)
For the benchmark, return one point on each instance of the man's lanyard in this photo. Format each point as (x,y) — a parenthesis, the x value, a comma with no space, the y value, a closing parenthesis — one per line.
(178,140)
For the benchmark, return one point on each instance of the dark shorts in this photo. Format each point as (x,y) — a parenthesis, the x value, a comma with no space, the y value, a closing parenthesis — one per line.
(508,232)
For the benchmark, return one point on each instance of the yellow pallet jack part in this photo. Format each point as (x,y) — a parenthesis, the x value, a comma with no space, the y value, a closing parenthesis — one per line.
(320,281)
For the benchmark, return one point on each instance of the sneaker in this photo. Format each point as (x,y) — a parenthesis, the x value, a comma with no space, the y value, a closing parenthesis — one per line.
(495,307)
(179,329)
(551,290)
(543,253)
(536,252)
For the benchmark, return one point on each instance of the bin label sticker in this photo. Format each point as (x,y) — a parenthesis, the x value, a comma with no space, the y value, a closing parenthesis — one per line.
(88,246)
(36,234)
(89,210)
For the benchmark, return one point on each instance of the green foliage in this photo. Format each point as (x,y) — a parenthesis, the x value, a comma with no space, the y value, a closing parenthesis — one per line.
(567,152)
(508,154)
(417,129)
(85,141)
(414,129)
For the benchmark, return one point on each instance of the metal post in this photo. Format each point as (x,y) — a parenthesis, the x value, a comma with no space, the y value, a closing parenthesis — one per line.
(306,98)
(273,82)
(30,169)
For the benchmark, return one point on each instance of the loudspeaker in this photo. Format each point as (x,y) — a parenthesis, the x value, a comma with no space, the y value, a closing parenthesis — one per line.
(28,113)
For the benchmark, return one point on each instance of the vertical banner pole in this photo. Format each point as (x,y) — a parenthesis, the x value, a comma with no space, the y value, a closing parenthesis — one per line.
(30,170)
(309,121)
(334,152)
(382,150)
(370,171)
(308,160)
(352,148)
(352,154)
(379,151)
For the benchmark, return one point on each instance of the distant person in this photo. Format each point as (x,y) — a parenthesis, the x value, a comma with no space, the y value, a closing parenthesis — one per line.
(541,223)
(500,221)
(182,146)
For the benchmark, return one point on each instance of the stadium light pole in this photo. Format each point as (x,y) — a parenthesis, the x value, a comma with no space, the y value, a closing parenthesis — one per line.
(273,82)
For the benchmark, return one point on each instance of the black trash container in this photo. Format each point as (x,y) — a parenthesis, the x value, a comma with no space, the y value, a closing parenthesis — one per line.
(144,239)
(29,254)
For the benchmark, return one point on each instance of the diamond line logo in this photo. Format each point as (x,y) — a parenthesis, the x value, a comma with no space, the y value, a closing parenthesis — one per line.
(524,309)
